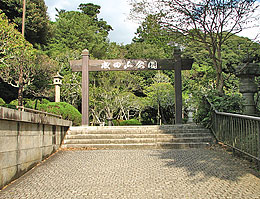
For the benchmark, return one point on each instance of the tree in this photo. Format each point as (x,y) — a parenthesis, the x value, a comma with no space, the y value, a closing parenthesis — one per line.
(16,51)
(211,22)
(111,95)
(234,51)
(37,21)
(160,96)
(144,50)
(92,11)
(77,31)
(152,32)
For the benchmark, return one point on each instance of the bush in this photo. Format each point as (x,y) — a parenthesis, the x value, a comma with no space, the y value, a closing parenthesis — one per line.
(64,109)
(226,103)
(117,122)
(2,102)
(67,111)
(130,122)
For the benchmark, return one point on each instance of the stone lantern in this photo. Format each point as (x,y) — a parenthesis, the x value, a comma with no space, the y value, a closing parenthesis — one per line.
(190,110)
(247,85)
(57,82)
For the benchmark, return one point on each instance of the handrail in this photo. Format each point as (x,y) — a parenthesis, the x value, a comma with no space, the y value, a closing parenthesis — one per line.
(239,115)
(232,114)
(37,111)
(240,132)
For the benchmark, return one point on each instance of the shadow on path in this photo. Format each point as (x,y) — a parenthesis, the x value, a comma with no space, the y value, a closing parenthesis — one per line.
(205,164)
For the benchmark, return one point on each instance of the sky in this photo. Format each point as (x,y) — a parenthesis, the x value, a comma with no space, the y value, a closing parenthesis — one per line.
(116,13)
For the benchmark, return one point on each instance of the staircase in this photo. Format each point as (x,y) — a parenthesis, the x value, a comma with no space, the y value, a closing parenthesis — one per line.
(138,137)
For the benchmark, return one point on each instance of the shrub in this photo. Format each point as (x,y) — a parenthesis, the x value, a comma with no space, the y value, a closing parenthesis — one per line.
(117,122)
(2,102)
(226,103)
(130,122)
(67,111)
(27,103)
(64,109)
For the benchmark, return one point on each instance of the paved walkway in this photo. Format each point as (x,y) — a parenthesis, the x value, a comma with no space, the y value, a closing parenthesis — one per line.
(173,174)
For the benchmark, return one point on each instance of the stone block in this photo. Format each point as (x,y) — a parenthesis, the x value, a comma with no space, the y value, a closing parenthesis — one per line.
(30,155)
(47,140)
(8,143)
(24,167)
(7,174)
(8,159)
(29,142)
(31,129)
(8,128)
(47,150)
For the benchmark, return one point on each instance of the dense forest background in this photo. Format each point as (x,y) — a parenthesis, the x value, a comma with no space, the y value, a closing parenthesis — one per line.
(143,97)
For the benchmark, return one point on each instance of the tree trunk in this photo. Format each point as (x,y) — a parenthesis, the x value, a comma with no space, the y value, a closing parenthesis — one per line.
(217,62)
(163,117)
(220,78)
(158,114)
(20,90)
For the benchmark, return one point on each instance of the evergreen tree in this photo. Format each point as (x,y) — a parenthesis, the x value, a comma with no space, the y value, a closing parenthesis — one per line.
(36,23)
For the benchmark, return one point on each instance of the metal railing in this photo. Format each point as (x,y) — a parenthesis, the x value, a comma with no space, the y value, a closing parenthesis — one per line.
(21,108)
(240,132)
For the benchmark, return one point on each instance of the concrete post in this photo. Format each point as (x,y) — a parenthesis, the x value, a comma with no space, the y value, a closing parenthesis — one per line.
(57,82)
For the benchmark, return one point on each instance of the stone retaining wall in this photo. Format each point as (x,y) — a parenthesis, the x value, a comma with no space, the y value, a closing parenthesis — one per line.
(25,140)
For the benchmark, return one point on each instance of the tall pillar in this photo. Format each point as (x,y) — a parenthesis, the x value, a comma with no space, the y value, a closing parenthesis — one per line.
(57,82)
(178,87)
(85,88)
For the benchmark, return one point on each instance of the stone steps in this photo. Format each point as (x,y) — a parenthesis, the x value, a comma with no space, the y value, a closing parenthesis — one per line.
(165,145)
(137,140)
(138,137)
(131,130)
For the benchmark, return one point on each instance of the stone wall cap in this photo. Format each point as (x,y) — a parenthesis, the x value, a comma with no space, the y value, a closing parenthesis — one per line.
(21,116)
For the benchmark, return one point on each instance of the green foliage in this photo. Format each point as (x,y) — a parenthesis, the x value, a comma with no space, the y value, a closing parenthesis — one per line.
(144,51)
(15,54)
(28,103)
(14,102)
(129,122)
(37,21)
(151,32)
(67,111)
(111,95)
(160,97)
(2,102)
(223,103)
(74,30)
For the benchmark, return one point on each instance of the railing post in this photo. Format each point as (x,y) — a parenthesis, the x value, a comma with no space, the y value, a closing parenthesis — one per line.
(258,144)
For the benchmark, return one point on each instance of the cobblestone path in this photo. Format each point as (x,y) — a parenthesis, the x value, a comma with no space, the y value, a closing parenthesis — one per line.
(184,174)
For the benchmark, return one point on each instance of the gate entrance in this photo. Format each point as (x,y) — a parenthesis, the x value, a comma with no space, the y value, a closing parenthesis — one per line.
(85,65)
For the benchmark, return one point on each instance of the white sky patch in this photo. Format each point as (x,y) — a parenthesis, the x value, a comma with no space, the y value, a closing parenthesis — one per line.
(115,12)
(254,32)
